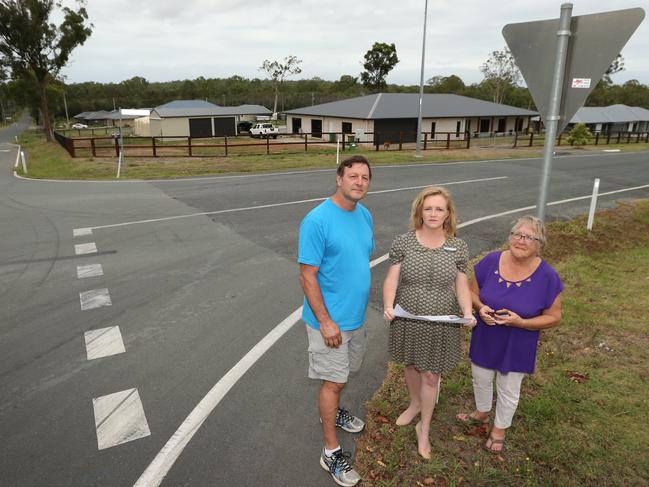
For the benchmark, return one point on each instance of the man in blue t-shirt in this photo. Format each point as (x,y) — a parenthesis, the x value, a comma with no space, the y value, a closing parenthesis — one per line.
(334,252)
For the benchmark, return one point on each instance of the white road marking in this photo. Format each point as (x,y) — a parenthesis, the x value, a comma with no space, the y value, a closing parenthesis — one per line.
(286,203)
(164,460)
(90,270)
(85,248)
(95,298)
(5,150)
(104,342)
(80,232)
(119,418)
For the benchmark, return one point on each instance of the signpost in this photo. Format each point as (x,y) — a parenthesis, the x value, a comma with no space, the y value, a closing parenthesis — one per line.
(580,49)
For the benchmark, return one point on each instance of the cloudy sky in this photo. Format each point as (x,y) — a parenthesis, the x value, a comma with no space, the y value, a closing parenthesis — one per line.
(164,40)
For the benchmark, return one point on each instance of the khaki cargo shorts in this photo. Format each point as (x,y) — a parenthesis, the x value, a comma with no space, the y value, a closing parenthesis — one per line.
(335,364)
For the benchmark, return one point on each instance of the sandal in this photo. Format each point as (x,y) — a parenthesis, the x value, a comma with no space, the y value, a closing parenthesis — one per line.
(494,441)
(469,419)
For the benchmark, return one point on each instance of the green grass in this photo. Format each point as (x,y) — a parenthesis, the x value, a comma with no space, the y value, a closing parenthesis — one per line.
(565,433)
(49,160)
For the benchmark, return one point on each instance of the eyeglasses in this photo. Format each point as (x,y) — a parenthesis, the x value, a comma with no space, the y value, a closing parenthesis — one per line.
(523,237)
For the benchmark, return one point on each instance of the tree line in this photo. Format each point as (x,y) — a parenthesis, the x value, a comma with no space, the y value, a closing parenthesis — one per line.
(33,50)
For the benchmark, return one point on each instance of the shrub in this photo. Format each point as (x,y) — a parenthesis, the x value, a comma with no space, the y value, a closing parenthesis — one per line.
(579,135)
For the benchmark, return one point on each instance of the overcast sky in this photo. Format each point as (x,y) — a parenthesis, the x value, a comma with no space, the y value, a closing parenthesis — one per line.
(165,40)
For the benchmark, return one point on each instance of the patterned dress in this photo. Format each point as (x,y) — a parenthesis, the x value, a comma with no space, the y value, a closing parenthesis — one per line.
(427,287)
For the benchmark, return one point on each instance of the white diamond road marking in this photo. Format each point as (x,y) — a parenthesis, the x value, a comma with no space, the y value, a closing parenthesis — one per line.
(80,232)
(104,342)
(95,298)
(119,418)
(90,270)
(85,248)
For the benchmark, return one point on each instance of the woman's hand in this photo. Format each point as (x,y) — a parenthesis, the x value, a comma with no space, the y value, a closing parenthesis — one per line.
(388,314)
(507,317)
(471,324)
(486,313)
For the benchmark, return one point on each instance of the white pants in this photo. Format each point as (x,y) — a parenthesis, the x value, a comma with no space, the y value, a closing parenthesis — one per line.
(508,391)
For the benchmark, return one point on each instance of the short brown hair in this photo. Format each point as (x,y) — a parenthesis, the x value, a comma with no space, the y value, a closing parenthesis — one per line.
(416,220)
(351,161)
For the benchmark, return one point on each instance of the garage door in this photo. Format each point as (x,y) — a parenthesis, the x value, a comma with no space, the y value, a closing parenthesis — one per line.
(389,130)
(224,126)
(200,127)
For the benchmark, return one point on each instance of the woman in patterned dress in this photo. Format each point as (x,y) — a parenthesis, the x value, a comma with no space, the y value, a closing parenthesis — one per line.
(427,276)
(516,294)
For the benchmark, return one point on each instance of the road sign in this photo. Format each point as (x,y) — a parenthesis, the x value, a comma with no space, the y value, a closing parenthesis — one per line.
(595,41)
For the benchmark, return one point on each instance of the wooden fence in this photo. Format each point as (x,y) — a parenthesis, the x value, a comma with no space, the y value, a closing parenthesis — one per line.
(182,146)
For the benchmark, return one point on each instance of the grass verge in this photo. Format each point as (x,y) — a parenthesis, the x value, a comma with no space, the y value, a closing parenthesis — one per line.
(582,417)
(50,161)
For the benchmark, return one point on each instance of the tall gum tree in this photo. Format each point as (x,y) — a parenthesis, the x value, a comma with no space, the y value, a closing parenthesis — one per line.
(278,71)
(33,48)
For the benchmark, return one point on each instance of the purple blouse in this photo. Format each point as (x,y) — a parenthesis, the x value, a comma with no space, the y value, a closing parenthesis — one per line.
(506,348)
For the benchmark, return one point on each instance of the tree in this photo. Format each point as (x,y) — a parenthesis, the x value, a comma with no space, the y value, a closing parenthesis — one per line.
(616,66)
(500,74)
(579,135)
(278,71)
(379,61)
(446,84)
(36,49)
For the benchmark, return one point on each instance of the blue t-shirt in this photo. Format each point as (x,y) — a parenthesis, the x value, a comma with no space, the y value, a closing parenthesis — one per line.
(339,243)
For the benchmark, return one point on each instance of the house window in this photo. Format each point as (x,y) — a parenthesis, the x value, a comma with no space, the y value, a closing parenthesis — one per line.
(347,127)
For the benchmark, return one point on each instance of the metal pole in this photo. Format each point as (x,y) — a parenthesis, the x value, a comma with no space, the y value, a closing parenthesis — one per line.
(593,205)
(337,152)
(552,122)
(65,105)
(421,84)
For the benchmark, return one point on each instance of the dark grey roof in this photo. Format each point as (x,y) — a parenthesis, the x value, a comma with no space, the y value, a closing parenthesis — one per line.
(81,115)
(406,105)
(610,114)
(98,115)
(201,108)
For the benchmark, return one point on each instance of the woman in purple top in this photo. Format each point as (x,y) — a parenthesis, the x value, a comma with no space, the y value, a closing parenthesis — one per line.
(516,294)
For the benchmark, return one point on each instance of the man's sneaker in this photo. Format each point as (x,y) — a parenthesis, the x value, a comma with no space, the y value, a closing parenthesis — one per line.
(349,422)
(339,467)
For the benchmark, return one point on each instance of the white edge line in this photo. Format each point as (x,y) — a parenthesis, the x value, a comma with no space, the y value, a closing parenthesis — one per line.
(310,171)
(274,205)
(164,460)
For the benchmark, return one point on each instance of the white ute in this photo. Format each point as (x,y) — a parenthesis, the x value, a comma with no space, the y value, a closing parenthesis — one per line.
(265,130)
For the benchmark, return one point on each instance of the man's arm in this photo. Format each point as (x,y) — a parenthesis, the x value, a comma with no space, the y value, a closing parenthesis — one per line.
(328,328)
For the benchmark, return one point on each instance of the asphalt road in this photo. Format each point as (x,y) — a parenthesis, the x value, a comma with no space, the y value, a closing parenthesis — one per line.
(192,296)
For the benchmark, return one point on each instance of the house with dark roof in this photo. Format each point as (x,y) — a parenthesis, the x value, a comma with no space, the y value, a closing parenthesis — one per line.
(612,119)
(390,117)
(199,118)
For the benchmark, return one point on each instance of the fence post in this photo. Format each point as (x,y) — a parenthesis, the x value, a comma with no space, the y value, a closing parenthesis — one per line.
(515,139)
(628,137)
(155,153)
(638,140)
(400,140)
(116,147)
(72,148)
(559,141)
(608,138)
(92,147)
(226,145)
(647,137)
(189,145)
(593,205)
(531,139)
(468,140)
(344,141)
(619,135)
(448,140)
(377,136)
(597,138)
(305,143)
(425,140)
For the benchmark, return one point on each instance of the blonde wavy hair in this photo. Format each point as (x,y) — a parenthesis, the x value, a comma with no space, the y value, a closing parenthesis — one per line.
(416,220)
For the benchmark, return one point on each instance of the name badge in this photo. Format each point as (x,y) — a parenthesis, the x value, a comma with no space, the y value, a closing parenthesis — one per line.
(449,249)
